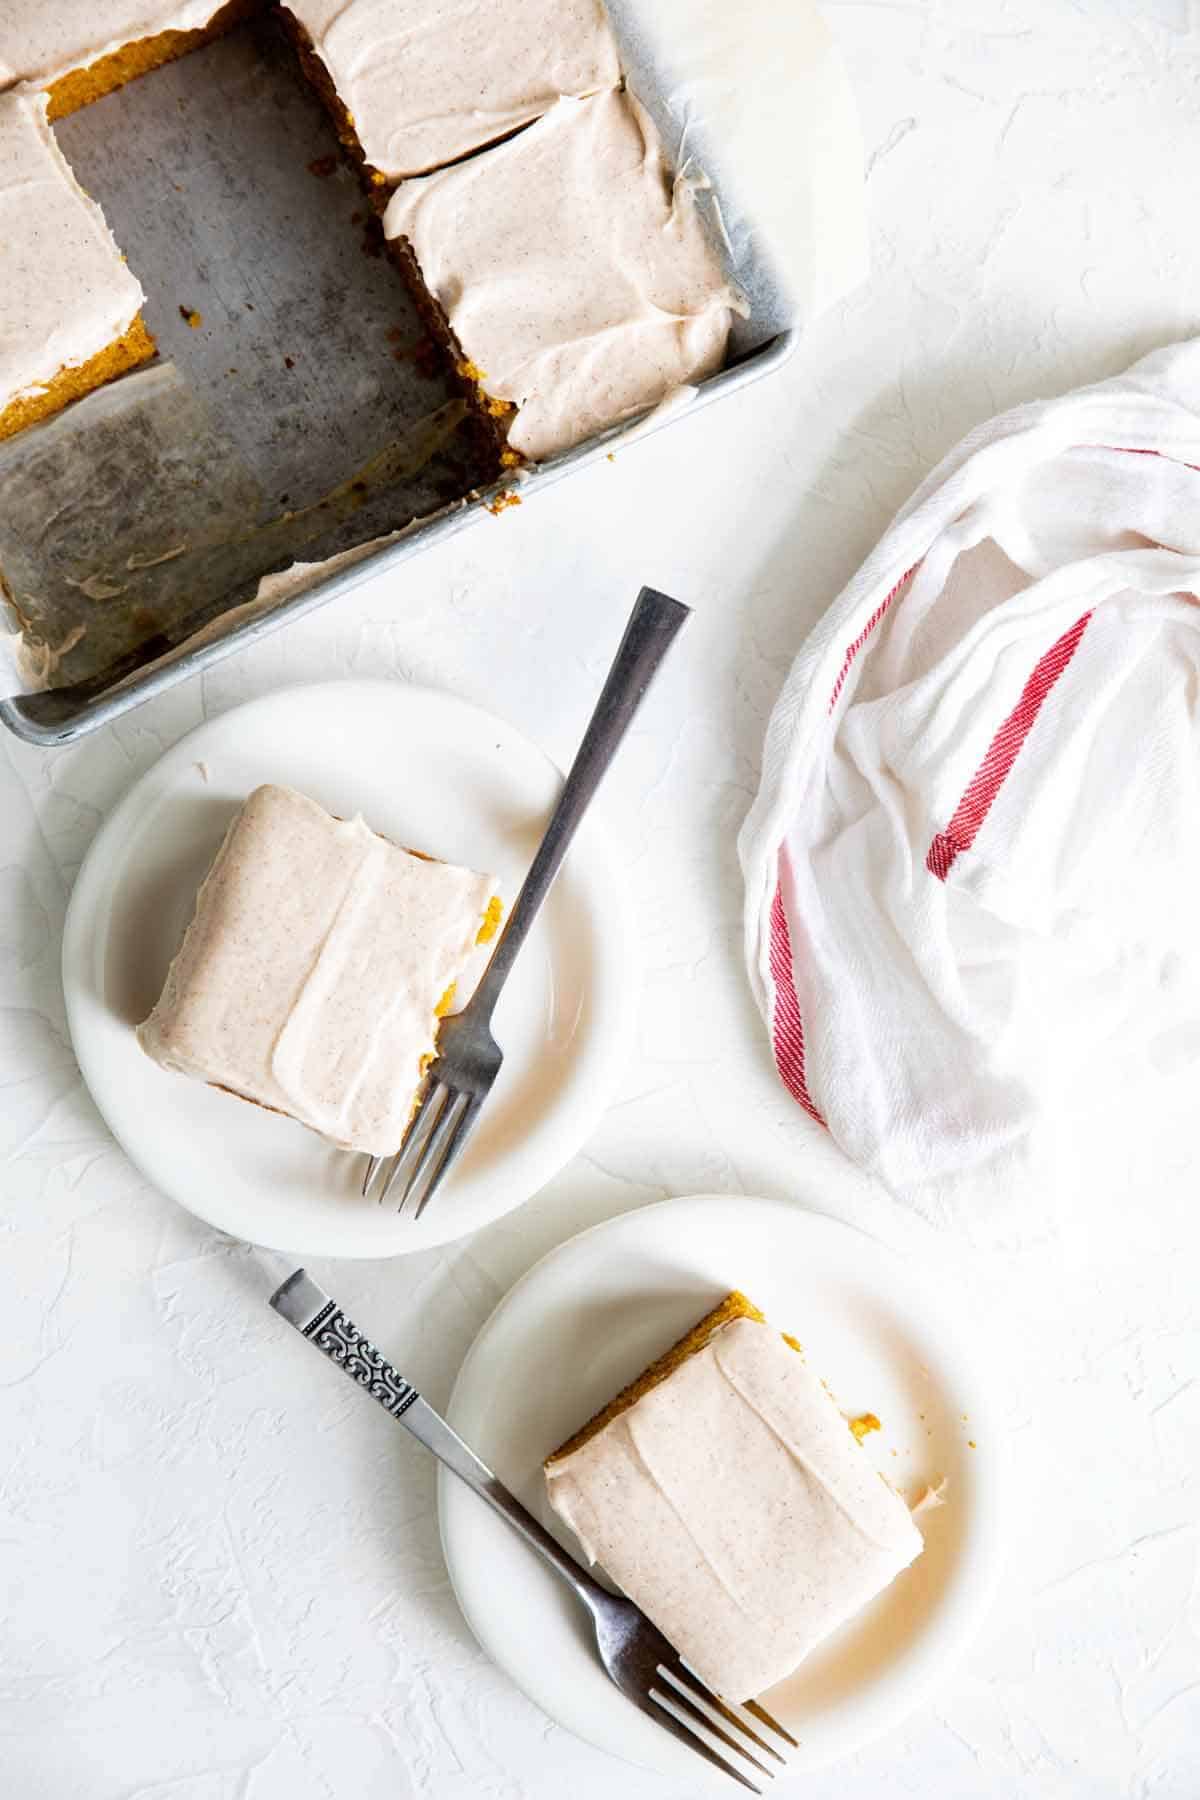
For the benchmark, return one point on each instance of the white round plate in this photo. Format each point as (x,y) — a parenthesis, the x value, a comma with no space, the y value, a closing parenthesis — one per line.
(423,769)
(590,1316)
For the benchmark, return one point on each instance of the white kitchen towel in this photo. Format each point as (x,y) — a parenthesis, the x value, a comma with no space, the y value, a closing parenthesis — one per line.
(973,867)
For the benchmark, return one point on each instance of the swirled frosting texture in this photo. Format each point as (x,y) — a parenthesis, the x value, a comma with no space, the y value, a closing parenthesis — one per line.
(310,973)
(428,81)
(66,291)
(732,1503)
(576,276)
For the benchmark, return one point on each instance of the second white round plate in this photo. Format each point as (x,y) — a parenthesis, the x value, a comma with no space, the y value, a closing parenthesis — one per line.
(591,1316)
(423,769)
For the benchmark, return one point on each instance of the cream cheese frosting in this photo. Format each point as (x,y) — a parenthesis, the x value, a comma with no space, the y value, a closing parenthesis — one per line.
(428,81)
(310,973)
(771,115)
(67,291)
(733,1505)
(41,40)
(578,279)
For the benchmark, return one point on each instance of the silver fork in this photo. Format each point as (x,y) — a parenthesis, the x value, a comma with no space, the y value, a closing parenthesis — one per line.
(468,1056)
(635,1654)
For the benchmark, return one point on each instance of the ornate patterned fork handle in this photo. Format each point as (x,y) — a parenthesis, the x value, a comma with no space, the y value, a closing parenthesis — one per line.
(318,1318)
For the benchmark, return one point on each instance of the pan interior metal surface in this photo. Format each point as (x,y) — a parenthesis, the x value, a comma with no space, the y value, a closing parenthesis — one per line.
(297,408)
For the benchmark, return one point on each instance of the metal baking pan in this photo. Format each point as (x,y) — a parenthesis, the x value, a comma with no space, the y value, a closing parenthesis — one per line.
(294,436)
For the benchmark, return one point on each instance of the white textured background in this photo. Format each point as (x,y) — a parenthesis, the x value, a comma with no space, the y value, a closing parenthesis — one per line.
(219,1570)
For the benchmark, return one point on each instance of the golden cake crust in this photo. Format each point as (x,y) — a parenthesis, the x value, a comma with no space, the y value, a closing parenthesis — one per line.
(734,1306)
(322,82)
(135,345)
(494,415)
(79,87)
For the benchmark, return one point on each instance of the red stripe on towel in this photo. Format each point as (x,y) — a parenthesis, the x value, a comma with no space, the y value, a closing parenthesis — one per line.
(864,634)
(787,1033)
(788,1028)
(1002,753)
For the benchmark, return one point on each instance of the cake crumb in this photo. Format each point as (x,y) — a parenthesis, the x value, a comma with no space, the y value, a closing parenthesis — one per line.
(321,166)
(191,317)
(864,1425)
(932,1495)
(971,1444)
(201,769)
(289,362)
(507,498)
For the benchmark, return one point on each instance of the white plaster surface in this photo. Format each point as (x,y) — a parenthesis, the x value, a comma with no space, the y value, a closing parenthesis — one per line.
(220,1576)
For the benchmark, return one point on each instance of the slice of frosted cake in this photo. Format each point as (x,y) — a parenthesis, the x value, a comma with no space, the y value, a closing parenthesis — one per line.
(77,50)
(70,309)
(415,84)
(315,969)
(574,279)
(727,1496)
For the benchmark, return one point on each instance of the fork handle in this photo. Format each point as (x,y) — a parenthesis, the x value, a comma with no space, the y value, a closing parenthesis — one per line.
(318,1318)
(651,630)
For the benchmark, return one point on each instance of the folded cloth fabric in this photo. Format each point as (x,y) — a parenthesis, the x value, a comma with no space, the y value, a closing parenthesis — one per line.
(973,867)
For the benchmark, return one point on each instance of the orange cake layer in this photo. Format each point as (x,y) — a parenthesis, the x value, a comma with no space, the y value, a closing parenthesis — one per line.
(79,87)
(134,346)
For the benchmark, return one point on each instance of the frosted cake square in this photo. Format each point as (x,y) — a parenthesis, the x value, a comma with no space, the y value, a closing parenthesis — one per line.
(415,84)
(574,279)
(78,51)
(70,315)
(727,1496)
(315,969)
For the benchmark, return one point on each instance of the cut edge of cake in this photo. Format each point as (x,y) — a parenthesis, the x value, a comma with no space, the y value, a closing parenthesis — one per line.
(134,347)
(104,74)
(101,333)
(495,415)
(317,74)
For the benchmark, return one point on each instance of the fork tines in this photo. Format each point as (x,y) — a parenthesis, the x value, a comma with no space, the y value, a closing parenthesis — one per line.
(437,1131)
(682,1702)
